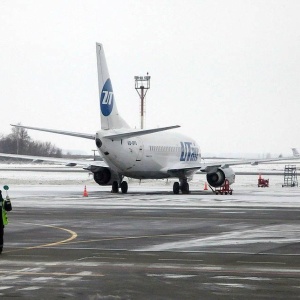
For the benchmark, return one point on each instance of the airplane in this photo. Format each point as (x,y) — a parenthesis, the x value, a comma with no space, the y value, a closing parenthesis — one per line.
(141,153)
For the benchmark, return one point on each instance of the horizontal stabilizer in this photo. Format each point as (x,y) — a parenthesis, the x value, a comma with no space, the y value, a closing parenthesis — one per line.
(77,134)
(120,136)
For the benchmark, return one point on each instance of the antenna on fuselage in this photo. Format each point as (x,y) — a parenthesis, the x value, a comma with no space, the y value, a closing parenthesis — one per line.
(142,85)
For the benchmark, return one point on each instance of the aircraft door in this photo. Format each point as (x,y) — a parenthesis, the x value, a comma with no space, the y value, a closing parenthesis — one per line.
(140,149)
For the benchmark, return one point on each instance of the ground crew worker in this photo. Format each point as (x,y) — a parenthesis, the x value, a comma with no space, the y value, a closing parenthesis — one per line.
(5,207)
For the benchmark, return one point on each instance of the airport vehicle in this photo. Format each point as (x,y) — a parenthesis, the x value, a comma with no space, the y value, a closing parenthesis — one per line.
(224,189)
(262,182)
(143,154)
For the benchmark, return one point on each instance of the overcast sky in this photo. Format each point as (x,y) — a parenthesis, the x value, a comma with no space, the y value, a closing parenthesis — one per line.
(227,71)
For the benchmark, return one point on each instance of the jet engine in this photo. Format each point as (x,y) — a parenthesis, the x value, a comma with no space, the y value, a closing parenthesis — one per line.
(104,176)
(217,177)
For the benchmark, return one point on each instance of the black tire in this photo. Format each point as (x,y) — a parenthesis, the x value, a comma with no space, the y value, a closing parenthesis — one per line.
(185,188)
(115,187)
(176,188)
(124,187)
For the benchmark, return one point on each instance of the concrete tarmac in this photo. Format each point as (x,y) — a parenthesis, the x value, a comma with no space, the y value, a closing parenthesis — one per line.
(151,244)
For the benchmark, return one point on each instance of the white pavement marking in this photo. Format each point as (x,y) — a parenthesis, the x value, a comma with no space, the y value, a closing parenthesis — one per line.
(5,287)
(178,259)
(30,288)
(261,262)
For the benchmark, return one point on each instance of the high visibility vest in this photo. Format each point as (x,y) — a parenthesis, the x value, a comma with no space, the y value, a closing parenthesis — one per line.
(4,214)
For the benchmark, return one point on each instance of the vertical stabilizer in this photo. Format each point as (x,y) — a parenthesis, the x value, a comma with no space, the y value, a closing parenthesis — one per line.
(110,118)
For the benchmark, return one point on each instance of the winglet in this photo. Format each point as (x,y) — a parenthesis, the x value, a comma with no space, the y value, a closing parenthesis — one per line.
(295,152)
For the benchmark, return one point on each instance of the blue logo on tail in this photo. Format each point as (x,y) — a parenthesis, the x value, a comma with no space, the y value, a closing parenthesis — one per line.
(107,98)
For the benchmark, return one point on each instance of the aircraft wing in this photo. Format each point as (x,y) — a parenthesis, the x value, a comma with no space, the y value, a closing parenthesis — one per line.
(186,169)
(206,167)
(77,134)
(86,164)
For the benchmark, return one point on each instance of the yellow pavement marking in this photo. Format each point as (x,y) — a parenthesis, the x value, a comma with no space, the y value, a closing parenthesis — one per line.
(71,232)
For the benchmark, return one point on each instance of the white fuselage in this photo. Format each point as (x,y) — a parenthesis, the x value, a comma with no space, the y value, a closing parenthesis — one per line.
(149,156)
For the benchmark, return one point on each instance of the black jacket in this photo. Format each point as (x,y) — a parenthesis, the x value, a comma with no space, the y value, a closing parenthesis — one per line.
(7,204)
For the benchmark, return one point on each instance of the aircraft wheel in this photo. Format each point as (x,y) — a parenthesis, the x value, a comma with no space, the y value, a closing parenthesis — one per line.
(176,188)
(124,187)
(115,187)
(185,188)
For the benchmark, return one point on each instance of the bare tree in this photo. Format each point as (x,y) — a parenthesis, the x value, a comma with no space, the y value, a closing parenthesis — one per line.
(19,142)
(21,138)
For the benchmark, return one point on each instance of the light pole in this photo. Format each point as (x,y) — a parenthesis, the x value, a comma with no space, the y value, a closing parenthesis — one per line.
(142,85)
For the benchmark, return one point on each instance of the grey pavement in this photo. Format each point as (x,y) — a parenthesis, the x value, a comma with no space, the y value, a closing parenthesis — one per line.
(151,244)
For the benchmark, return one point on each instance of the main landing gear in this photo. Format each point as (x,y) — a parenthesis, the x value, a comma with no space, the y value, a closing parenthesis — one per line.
(123,186)
(183,187)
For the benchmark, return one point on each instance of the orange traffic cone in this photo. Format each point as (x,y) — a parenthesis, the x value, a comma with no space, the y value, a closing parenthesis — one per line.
(85,193)
(205,186)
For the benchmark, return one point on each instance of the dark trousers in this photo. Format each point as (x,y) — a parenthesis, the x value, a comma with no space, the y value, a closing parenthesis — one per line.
(1,236)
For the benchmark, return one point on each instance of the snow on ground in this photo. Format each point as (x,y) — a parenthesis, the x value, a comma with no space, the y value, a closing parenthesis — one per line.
(278,234)
(43,174)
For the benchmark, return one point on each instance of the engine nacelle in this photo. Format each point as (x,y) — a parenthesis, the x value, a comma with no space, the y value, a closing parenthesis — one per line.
(217,178)
(104,176)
